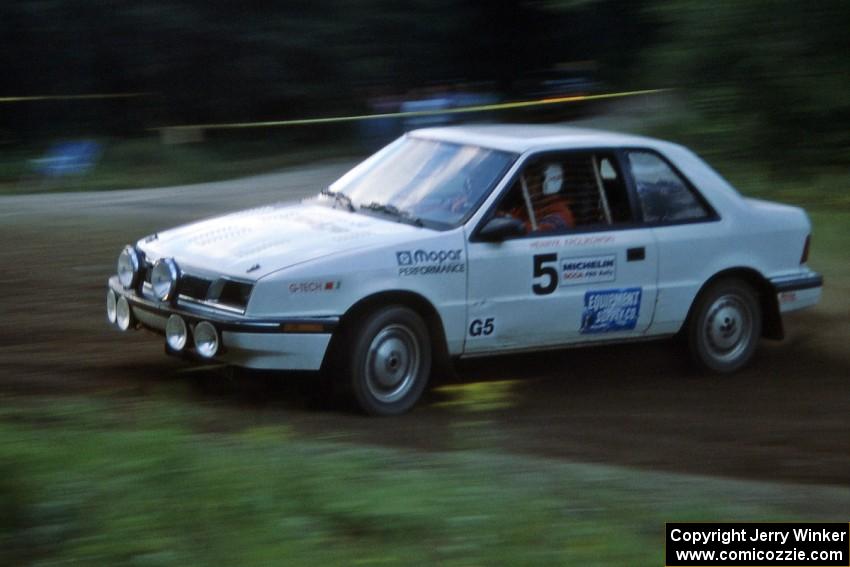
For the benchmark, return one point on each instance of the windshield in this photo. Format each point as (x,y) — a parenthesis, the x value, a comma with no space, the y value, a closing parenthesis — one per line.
(424,181)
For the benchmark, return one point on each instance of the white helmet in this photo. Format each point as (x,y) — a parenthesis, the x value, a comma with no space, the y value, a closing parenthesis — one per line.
(553,179)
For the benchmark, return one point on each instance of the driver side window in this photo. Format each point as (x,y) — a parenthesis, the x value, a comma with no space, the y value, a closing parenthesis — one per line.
(558,193)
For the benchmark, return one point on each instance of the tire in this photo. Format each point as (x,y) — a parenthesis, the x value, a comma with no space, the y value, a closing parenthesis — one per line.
(388,360)
(725,326)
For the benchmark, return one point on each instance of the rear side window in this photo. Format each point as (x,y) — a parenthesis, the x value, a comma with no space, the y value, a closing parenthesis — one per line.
(664,195)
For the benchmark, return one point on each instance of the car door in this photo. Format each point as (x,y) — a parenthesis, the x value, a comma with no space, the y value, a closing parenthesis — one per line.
(686,227)
(586,274)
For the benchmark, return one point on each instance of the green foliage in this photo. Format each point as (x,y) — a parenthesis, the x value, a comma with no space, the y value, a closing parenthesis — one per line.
(104,481)
(762,81)
(202,62)
(14,514)
(830,252)
(811,183)
(765,80)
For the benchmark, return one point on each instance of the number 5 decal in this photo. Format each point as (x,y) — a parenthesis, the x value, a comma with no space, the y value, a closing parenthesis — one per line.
(543,271)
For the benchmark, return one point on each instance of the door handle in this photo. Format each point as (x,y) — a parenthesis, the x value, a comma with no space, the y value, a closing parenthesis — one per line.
(636,254)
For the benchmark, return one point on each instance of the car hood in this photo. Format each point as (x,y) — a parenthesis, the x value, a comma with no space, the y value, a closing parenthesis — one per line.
(254,243)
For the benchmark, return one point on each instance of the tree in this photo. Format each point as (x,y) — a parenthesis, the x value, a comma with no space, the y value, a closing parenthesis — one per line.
(767,77)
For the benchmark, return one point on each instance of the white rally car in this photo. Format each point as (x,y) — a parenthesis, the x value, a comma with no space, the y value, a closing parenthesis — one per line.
(469,241)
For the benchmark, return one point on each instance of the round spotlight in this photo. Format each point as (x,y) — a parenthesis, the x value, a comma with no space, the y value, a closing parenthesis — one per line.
(176,333)
(110,305)
(128,267)
(206,339)
(164,279)
(123,315)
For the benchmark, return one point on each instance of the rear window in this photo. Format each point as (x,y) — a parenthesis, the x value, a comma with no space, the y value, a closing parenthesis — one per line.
(664,195)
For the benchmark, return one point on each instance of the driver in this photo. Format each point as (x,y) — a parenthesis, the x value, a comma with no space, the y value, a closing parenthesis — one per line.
(551,208)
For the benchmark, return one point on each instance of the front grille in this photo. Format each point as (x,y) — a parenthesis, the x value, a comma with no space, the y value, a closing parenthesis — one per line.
(235,293)
(228,293)
(194,287)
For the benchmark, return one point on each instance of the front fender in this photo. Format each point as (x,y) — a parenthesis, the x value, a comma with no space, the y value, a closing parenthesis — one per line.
(433,267)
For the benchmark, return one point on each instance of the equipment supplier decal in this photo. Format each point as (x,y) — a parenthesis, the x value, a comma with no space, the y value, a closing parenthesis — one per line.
(610,310)
(589,269)
(429,262)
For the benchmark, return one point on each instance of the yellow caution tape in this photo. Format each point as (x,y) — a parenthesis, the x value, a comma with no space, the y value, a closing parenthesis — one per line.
(70,97)
(464,109)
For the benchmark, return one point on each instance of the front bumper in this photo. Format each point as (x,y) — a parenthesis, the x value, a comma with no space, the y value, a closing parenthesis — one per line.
(297,343)
(798,291)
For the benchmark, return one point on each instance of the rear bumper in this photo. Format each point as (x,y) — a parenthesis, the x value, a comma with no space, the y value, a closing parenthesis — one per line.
(798,291)
(297,343)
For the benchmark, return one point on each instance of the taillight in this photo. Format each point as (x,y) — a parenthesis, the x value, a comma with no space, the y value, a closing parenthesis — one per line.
(805,257)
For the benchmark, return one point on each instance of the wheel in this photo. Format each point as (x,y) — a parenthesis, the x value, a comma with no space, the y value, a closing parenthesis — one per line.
(725,326)
(389,360)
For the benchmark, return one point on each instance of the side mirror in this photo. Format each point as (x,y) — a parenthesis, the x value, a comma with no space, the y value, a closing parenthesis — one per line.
(500,228)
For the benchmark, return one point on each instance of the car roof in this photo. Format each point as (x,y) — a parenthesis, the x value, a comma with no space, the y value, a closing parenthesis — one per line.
(526,138)
(521,138)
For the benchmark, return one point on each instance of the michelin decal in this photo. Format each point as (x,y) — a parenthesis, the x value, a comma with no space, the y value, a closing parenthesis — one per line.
(589,269)
(429,262)
(610,310)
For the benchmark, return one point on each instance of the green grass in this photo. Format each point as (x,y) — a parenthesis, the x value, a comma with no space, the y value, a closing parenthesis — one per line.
(145,162)
(106,481)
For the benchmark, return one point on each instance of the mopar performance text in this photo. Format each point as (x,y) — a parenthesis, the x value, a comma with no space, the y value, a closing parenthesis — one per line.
(429,262)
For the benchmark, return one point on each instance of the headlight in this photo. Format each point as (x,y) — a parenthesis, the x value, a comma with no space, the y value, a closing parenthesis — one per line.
(111,305)
(176,333)
(128,267)
(123,315)
(164,279)
(206,339)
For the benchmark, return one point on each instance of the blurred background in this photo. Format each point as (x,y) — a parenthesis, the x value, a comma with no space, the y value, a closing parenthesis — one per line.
(761,80)
(112,453)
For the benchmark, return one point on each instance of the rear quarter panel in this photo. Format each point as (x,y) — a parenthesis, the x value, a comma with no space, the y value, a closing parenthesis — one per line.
(765,237)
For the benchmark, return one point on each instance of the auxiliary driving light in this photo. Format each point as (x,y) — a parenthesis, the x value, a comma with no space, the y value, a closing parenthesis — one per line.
(123,315)
(110,305)
(128,267)
(206,339)
(176,333)
(164,279)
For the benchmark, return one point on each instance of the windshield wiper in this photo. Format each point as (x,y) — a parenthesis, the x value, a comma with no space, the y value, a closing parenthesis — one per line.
(340,197)
(392,210)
